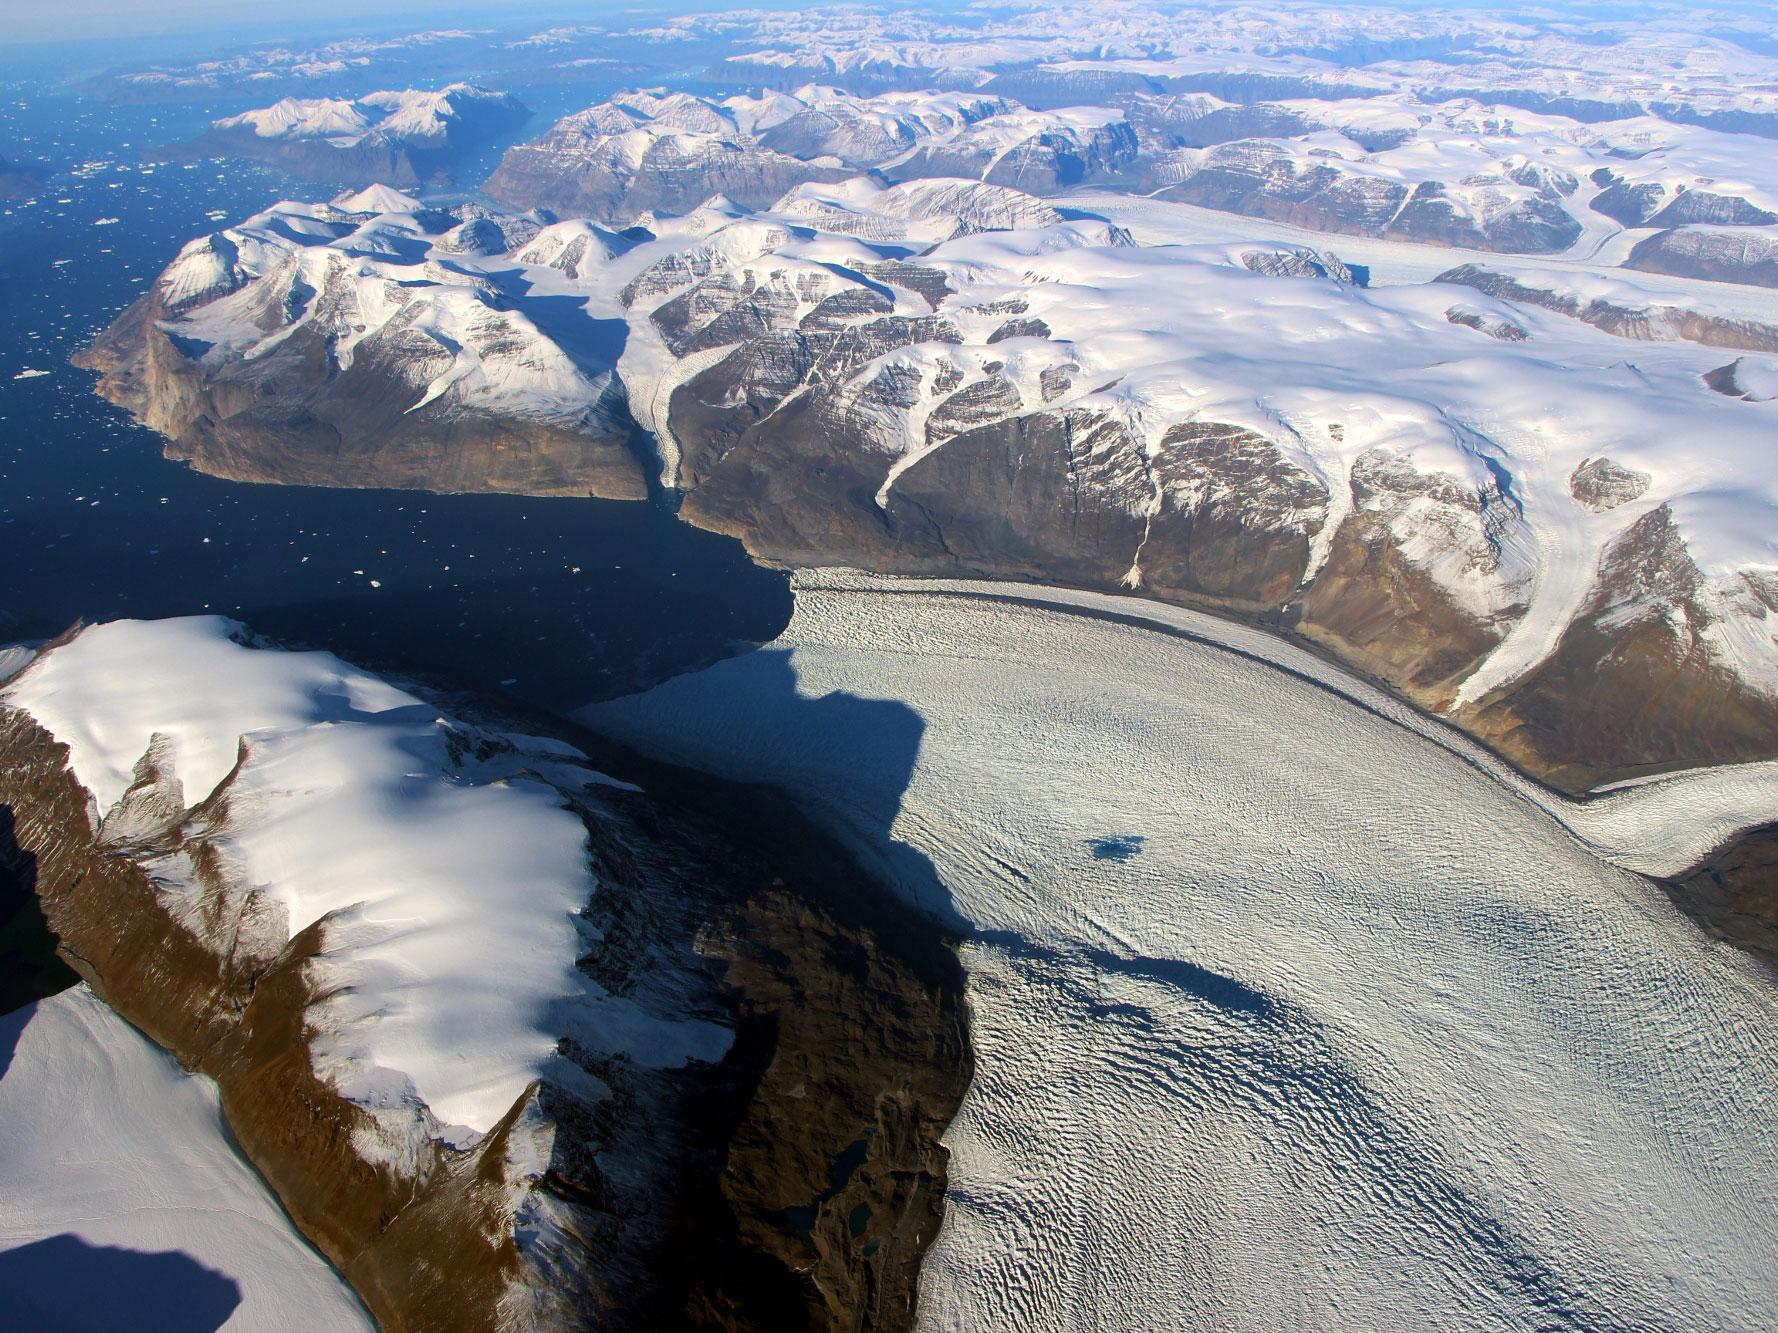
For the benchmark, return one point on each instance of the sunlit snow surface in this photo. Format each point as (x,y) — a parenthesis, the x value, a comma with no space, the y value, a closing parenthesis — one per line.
(448,880)
(1351,1033)
(119,1189)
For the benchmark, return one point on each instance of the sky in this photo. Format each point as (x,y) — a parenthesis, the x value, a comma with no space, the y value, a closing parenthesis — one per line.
(65,20)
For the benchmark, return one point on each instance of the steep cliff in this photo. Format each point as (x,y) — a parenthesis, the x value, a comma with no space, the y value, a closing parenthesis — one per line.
(706,1090)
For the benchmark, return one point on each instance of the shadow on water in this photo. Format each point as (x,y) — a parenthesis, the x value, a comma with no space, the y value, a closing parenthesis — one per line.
(767,725)
(29,967)
(65,1283)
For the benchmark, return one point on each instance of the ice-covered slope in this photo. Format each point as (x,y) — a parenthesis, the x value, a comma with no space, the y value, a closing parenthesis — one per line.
(120,1190)
(472,1006)
(1265,1036)
(446,885)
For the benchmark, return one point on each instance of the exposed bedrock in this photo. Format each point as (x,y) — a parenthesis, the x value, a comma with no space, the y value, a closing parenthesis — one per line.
(296,417)
(1633,684)
(795,1184)
(1640,321)
(1734,893)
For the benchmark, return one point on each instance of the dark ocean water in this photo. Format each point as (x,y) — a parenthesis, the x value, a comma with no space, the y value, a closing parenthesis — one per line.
(558,601)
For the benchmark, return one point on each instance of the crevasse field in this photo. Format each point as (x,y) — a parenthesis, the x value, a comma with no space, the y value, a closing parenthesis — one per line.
(1290,1010)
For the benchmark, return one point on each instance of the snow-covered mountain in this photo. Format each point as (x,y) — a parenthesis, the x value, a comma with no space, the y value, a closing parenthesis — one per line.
(1485,502)
(1685,65)
(1530,502)
(367,342)
(401,136)
(1457,172)
(668,152)
(517,1044)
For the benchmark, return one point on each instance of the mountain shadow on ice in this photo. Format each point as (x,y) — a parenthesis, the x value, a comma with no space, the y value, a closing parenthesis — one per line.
(877,741)
(63,1282)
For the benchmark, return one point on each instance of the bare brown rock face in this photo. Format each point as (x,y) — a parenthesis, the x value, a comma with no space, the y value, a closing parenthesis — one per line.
(793,1185)
(1640,322)
(1599,484)
(1735,893)
(1631,686)
(293,417)
(1375,609)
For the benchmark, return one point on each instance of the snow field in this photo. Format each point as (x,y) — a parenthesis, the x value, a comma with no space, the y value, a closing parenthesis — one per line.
(103,1137)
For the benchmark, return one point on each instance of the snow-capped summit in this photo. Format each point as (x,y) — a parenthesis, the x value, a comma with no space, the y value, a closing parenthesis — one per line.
(376,199)
(406,136)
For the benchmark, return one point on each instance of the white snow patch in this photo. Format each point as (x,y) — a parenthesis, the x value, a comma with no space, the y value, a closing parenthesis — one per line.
(104,1138)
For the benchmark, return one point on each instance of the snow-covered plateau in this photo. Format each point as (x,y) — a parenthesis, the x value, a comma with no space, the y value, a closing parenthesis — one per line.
(1286,1012)
(446,882)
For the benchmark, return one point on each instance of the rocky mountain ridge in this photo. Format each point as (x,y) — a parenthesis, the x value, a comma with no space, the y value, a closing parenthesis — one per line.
(1029,397)
(402,136)
(689,1140)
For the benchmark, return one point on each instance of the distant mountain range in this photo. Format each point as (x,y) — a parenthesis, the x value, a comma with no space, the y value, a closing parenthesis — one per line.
(403,137)
(1458,173)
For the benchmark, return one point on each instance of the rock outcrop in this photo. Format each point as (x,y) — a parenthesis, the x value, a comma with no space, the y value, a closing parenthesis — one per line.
(1750,258)
(1734,893)
(793,1182)
(1627,316)
(406,137)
